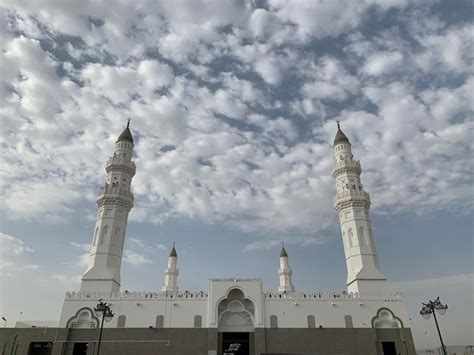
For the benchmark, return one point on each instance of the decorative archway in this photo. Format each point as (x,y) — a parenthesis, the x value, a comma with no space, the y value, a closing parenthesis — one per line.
(385,319)
(84,318)
(236,313)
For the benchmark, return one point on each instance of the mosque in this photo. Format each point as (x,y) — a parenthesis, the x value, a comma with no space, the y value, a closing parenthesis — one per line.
(235,316)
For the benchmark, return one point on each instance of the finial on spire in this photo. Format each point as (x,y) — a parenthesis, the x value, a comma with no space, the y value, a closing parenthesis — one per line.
(173,252)
(173,244)
(128,122)
(338,125)
(283,253)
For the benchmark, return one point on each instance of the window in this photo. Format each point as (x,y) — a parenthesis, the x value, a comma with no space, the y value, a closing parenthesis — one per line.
(348,321)
(351,237)
(363,236)
(273,321)
(159,321)
(103,235)
(197,321)
(311,322)
(121,321)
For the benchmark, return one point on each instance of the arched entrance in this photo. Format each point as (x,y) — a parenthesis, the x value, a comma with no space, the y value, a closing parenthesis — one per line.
(236,324)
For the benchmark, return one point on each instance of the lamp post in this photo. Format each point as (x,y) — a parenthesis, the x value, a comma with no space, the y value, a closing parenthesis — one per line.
(102,308)
(429,309)
(5,320)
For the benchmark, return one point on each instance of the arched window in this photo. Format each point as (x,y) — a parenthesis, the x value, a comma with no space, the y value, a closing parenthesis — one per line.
(273,321)
(350,237)
(121,321)
(116,238)
(363,236)
(159,321)
(197,321)
(311,322)
(103,235)
(348,321)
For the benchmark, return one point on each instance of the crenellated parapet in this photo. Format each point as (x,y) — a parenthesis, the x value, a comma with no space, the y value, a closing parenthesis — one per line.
(331,296)
(135,295)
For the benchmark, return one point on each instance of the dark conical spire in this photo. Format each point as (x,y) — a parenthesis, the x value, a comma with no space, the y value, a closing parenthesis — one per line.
(283,253)
(340,136)
(173,252)
(126,135)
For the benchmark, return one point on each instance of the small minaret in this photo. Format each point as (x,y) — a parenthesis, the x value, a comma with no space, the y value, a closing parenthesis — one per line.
(284,272)
(114,200)
(352,204)
(171,273)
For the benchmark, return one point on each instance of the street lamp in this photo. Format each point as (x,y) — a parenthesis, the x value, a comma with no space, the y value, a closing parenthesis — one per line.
(103,308)
(429,309)
(5,320)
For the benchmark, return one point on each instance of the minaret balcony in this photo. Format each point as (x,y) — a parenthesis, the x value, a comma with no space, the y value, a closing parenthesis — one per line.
(117,163)
(112,194)
(346,165)
(352,195)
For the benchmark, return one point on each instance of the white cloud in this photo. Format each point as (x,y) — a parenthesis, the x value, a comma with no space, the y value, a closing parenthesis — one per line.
(449,50)
(13,255)
(135,258)
(466,280)
(273,243)
(383,63)
(12,246)
(178,73)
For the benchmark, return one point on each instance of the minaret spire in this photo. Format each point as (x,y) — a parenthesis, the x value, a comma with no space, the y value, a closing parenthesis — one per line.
(114,201)
(284,273)
(352,204)
(171,272)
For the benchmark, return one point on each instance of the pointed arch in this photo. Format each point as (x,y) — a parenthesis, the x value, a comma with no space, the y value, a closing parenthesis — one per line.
(363,237)
(350,236)
(103,235)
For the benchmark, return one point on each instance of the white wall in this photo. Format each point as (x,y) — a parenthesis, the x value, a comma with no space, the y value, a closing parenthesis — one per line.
(329,309)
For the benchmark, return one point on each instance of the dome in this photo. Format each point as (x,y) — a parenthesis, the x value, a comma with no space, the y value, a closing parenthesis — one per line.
(340,136)
(125,136)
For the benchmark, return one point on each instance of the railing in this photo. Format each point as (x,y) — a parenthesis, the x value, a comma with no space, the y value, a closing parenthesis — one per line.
(118,160)
(109,190)
(346,163)
(352,195)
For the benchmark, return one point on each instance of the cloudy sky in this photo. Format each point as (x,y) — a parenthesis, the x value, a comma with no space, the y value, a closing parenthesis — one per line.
(233,108)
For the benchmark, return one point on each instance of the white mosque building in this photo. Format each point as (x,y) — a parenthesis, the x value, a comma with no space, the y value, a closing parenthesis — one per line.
(235,315)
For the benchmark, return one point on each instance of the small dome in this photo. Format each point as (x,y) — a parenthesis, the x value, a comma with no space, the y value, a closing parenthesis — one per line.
(125,136)
(340,136)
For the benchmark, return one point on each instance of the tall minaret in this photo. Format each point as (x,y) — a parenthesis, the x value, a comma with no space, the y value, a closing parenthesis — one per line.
(352,204)
(171,273)
(115,200)
(284,272)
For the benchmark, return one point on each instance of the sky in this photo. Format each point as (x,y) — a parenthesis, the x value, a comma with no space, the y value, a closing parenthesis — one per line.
(233,108)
